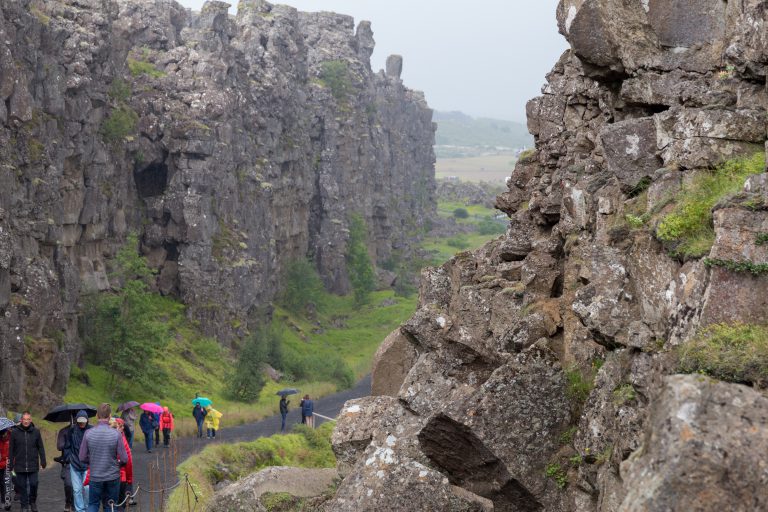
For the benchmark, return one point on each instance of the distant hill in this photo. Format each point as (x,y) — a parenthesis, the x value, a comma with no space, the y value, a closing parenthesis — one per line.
(456,130)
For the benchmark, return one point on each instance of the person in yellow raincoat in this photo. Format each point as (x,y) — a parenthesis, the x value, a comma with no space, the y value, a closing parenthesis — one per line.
(212,422)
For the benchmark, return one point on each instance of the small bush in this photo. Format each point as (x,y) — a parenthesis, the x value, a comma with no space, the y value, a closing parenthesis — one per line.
(120,124)
(491,227)
(359,266)
(761,239)
(729,352)
(120,90)
(301,285)
(460,213)
(688,229)
(738,266)
(624,394)
(141,67)
(457,242)
(334,74)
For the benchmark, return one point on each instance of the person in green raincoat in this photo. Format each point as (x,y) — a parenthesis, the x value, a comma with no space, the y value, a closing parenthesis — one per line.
(212,419)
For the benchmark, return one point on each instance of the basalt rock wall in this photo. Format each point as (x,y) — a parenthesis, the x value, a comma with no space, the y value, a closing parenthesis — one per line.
(229,144)
(540,372)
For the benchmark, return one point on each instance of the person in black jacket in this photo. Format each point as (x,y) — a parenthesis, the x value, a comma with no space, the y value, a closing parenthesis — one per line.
(27,455)
(283,411)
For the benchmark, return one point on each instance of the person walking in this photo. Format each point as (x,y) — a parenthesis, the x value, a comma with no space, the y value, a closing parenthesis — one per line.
(27,456)
(157,426)
(283,412)
(66,477)
(77,468)
(147,425)
(103,450)
(308,411)
(301,407)
(212,418)
(129,420)
(199,414)
(5,498)
(126,470)
(166,424)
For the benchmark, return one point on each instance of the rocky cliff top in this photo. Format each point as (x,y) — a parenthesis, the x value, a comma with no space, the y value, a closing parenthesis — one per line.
(541,371)
(230,144)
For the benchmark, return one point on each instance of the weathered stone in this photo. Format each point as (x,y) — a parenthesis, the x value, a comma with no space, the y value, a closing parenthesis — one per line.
(391,364)
(685,23)
(244,494)
(703,449)
(394,66)
(630,150)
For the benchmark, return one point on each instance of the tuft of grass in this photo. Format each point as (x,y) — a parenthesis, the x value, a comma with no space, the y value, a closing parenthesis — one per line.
(738,266)
(581,384)
(688,229)
(624,394)
(761,239)
(335,75)
(730,352)
(142,67)
(556,472)
(216,463)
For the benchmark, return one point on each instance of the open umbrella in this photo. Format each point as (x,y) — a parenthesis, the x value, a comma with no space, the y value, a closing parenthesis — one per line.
(287,391)
(66,412)
(150,407)
(127,405)
(5,423)
(203,401)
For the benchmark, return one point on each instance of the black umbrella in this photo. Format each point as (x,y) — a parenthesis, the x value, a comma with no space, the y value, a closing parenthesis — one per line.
(287,391)
(66,412)
(127,405)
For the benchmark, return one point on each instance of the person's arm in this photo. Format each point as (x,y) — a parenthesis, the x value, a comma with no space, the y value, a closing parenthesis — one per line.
(83,455)
(41,449)
(122,455)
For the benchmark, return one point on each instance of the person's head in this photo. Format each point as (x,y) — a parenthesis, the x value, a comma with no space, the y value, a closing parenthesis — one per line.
(104,411)
(26,419)
(306,397)
(81,419)
(165,409)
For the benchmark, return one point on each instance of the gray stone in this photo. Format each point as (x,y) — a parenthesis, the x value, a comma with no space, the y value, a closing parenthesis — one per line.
(391,364)
(630,150)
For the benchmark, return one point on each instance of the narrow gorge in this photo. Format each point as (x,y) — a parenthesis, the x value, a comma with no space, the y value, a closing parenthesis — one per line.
(230,145)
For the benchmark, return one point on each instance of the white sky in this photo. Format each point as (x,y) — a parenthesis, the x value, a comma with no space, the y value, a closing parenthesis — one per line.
(485,58)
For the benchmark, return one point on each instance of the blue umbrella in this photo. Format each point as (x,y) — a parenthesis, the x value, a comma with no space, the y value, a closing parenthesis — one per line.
(5,423)
(203,401)
(287,391)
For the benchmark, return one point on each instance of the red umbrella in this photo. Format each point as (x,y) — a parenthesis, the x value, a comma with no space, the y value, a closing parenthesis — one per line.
(150,407)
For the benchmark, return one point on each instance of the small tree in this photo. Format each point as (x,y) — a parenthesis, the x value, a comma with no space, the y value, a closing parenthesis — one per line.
(247,381)
(461,213)
(359,265)
(122,327)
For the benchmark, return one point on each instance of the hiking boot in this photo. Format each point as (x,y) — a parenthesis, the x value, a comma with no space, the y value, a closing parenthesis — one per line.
(34,507)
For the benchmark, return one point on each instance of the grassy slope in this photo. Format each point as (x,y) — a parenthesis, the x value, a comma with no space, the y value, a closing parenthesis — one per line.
(198,364)
(441,248)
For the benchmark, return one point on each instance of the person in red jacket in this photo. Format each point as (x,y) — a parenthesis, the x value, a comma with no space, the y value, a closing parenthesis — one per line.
(5,497)
(126,471)
(166,424)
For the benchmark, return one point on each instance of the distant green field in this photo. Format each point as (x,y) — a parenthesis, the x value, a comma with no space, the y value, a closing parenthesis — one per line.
(491,168)
(480,218)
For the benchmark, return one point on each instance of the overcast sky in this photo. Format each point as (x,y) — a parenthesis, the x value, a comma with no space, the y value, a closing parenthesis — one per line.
(485,58)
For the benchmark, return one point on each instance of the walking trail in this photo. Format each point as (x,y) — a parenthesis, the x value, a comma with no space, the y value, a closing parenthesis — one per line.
(51,489)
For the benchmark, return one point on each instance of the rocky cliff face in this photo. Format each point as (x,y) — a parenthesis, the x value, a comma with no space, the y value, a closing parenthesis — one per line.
(538,371)
(231,145)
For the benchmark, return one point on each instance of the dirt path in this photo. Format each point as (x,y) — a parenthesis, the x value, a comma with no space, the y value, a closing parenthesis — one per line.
(51,489)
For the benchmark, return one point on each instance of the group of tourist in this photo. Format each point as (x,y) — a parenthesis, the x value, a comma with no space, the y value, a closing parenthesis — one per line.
(97,466)
(307,407)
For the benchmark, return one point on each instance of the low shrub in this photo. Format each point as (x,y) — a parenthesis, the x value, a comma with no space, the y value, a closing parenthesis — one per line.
(461,213)
(120,124)
(730,352)
(335,75)
(141,67)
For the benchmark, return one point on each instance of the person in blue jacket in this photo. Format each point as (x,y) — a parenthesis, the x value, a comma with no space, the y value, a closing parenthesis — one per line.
(148,424)
(307,410)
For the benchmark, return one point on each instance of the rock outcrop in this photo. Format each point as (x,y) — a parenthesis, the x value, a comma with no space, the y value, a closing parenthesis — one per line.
(230,144)
(545,370)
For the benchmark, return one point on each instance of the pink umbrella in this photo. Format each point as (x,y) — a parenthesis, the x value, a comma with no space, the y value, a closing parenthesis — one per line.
(150,407)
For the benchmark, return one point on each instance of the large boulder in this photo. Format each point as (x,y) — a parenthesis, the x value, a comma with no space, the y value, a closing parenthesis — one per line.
(704,450)
(391,364)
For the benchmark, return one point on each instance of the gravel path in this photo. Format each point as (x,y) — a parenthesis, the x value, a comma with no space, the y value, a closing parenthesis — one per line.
(161,462)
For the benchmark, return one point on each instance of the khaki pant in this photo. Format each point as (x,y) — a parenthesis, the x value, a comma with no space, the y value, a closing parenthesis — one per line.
(311,421)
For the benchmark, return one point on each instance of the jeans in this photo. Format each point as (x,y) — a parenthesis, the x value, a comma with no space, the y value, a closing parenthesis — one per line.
(200,427)
(166,436)
(79,492)
(282,424)
(157,436)
(148,440)
(101,493)
(129,436)
(212,433)
(22,480)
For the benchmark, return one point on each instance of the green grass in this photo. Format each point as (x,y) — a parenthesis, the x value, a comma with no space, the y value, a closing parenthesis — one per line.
(479,219)
(729,352)
(199,364)
(688,229)
(141,67)
(303,448)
